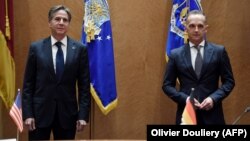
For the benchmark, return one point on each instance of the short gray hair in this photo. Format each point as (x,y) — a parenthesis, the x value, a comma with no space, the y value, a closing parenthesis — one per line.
(196,12)
(56,8)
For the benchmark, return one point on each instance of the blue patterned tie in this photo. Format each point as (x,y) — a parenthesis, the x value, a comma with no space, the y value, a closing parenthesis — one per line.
(59,61)
(198,62)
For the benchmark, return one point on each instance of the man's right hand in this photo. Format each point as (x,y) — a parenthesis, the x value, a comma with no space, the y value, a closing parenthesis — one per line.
(30,124)
(197,103)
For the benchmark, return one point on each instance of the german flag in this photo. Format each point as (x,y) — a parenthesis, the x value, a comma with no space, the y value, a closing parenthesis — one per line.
(189,115)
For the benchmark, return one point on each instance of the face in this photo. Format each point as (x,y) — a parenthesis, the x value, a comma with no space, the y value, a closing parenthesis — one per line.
(196,28)
(59,24)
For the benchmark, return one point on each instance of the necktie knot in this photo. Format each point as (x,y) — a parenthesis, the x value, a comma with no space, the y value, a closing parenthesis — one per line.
(197,47)
(58,44)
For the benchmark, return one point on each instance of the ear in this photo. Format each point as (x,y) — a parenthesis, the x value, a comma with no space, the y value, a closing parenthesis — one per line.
(49,24)
(206,27)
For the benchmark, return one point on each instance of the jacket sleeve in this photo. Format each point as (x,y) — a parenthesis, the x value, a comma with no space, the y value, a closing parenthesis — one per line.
(227,78)
(84,96)
(29,84)
(169,82)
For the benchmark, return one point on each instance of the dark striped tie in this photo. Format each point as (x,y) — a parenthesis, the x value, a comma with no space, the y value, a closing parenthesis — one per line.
(59,61)
(198,62)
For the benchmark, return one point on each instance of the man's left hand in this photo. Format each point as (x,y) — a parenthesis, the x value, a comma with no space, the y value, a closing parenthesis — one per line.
(207,104)
(80,124)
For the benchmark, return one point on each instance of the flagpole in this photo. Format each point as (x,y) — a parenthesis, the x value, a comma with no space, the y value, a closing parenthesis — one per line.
(17,136)
(91,122)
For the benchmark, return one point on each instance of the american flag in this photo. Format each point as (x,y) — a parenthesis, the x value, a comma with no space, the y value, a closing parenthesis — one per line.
(16,112)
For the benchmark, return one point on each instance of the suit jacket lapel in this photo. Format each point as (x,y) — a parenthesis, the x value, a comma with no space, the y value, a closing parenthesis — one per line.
(48,56)
(70,53)
(208,51)
(187,59)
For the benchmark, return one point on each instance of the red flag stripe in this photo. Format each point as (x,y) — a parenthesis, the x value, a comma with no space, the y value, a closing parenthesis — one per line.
(191,111)
(16,115)
(189,116)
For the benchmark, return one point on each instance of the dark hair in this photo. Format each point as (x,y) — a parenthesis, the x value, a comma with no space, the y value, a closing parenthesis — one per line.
(196,12)
(56,8)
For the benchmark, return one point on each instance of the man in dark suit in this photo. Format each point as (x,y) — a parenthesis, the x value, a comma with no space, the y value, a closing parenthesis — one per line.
(201,65)
(57,70)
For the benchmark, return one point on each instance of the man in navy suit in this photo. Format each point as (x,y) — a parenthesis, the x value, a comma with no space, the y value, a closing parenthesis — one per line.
(55,73)
(213,82)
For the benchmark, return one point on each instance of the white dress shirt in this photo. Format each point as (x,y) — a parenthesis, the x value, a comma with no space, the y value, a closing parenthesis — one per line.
(193,51)
(54,49)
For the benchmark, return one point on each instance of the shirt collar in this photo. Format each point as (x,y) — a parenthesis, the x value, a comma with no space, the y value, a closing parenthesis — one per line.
(202,44)
(64,40)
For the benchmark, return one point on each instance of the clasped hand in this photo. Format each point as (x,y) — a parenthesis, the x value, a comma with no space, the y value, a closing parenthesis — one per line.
(206,104)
